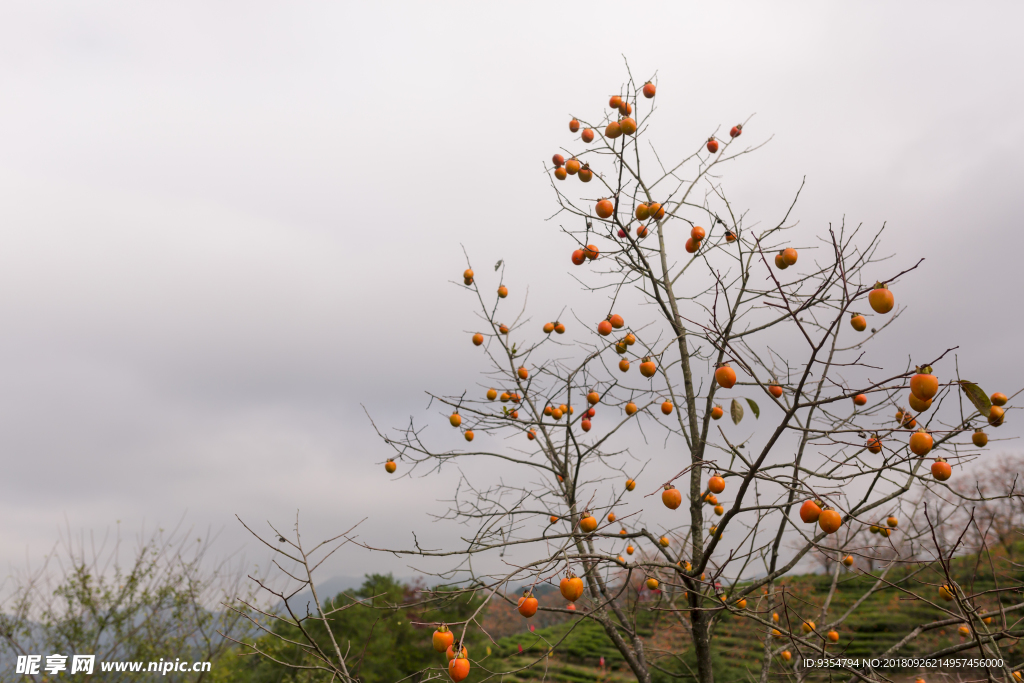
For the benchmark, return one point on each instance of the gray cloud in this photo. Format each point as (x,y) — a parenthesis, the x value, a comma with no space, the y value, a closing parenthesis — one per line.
(226,227)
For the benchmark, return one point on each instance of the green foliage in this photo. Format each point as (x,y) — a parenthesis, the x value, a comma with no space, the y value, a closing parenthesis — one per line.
(154,604)
(385,642)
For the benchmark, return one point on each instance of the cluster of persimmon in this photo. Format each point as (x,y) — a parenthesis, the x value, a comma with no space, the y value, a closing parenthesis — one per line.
(457,653)
(786,258)
(816,511)
(890,524)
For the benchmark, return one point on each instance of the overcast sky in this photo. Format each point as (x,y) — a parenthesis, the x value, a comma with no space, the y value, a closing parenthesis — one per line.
(227,225)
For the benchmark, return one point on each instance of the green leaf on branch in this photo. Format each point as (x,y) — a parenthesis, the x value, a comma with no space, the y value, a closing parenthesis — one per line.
(976,396)
(753,406)
(736,411)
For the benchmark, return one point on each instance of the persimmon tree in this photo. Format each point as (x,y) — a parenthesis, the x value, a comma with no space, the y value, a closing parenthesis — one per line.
(704,314)
(730,369)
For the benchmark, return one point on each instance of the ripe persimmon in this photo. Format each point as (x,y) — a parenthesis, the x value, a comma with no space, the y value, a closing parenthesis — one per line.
(588,523)
(924,385)
(998,399)
(593,398)
(612,130)
(848,560)
(717,412)
(492,394)
(833,636)
(615,102)
(458,669)
(775,390)
(532,434)
(671,497)
(560,173)
(641,212)
(979,438)
(585,174)
(697,233)
(468,274)
(917,404)
(730,236)
(780,262)
(641,231)
(585,424)
(455,420)
(523,373)
(628,125)
(558,160)
(725,376)
(574,126)
(921,442)
(858,322)
(946,592)
(860,400)
(664,542)
(611,517)
(505,397)
(443,638)
(590,413)
(719,510)
(502,291)
(478,339)
(631,408)
(559,328)
(810,511)
(571,587)
(630,484)
(666,408)
(549,328)
(712,145)
(692,247)
(578,257)
(786,655)
(892,522)
(874,444)
(716,484)
(528,605)
(604,208)
(572,166)
(829,520)
(789,255)
(624,365)
(630,339)
(604,328)
(469,435)
(451,650)
(503,329)
(995,416)
(649,90)
(653,209)
(736,130)
(390,466)
(616,320)
(881,299)
(941,469)
(587,135)
(647,367)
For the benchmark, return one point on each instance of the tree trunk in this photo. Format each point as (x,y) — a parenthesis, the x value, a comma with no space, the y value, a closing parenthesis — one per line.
(701,623)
